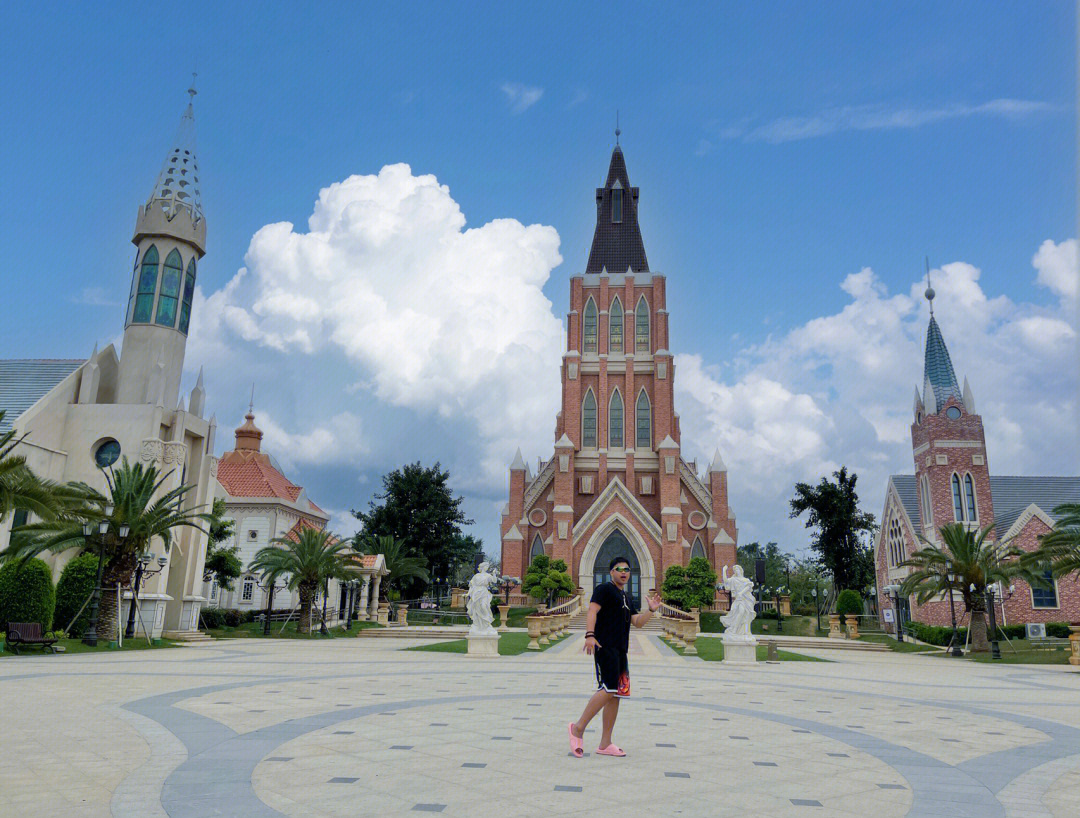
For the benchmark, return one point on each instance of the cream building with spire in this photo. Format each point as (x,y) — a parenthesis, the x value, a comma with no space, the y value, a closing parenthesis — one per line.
(78,416)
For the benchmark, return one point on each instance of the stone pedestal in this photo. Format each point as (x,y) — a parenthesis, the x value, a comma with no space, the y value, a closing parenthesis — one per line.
(834,627)
(402,615)
(504,612)
(1074,646)
(740,653)
(852,623)
(483,644)
(383,616)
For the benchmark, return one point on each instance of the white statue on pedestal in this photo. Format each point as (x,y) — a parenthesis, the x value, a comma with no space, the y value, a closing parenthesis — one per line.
(737,621)
(478,602)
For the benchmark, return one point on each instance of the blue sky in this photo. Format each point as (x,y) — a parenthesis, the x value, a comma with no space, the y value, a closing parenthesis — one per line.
(782,150)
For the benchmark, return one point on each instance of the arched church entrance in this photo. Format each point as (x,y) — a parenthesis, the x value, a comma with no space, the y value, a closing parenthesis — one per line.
(616,545)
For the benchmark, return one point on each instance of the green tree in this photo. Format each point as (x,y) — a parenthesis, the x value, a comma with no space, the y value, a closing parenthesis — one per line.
(27,593)
(547,579)
(403,566)
(849,602)
(833,509)
(691,587)
(776,562)
(806,575)
(308,561)
(72,592)
(20,488)
(467,552)
(974,562)
(222,561)
(134,493)
(1059,549)
(418,507)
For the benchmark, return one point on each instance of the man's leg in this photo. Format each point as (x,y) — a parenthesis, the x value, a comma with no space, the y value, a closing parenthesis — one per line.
(611,712)
(599,701)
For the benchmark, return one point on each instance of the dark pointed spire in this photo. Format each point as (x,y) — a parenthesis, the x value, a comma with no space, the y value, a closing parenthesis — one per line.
(938,373)
(617,243)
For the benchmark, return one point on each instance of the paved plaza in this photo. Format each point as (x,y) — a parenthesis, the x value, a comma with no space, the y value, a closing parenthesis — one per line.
(357,727)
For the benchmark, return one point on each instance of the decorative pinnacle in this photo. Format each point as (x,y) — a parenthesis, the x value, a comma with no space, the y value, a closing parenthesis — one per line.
(191,91)
(618,132)
(251,405)
(929,290)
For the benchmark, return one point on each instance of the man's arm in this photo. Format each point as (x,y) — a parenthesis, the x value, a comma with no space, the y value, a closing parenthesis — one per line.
(590,625)
(638,620)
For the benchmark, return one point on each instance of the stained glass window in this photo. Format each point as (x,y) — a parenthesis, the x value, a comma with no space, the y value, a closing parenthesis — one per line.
(170,289)
(969,493)
(588,421)
(537,548)
(644,421)
(148,274)
(615,421)
(697,549)
(589,327)
(189,293)
(106,454)
(615,326)
(958,503)
(641,335)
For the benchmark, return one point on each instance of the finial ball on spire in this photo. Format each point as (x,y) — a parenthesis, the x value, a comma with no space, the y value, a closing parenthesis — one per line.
(930,293)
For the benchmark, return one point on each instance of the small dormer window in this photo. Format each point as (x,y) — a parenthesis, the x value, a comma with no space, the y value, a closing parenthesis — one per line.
(616,204)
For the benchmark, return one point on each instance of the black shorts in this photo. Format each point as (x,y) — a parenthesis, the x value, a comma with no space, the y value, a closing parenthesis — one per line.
(612,672)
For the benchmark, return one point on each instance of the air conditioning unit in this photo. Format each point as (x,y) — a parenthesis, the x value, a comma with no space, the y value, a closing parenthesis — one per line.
(1035,630)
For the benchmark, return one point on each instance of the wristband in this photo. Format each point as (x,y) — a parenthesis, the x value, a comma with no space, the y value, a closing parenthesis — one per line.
(590,633)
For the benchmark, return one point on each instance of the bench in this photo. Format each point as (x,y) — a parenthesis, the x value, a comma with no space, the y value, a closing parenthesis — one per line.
(28,633)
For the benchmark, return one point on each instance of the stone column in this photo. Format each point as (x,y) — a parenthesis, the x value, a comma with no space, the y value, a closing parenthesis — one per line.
(363,615)
(373,609)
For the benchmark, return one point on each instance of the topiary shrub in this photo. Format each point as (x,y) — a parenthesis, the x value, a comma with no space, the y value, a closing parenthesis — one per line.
(1058,630)
(233,618)
(212,617)
(27,593)
(75,586)
(849,603)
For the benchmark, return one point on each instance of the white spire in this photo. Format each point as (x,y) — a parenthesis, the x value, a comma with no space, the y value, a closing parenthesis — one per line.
(969,398)
(519,462)
(177,187)
(717,464)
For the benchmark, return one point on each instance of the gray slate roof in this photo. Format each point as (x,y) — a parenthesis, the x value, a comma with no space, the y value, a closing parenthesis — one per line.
(617,246)
(938,368)
(1011,496)
(24,382)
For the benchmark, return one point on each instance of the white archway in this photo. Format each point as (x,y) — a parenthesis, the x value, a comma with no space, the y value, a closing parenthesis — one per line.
(592,548)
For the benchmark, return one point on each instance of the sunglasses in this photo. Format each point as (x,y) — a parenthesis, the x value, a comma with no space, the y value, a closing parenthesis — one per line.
(622,569)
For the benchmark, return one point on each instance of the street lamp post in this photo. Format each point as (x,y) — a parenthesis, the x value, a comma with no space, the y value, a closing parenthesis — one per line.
(817,608)
(894,592)
(779,616)
(326,592)
(995,647)
(954,641)
(141,569)
(350,593)
(102,528)
(507,584)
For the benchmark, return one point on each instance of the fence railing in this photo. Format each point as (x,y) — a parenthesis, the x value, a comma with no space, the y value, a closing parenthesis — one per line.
(571,606)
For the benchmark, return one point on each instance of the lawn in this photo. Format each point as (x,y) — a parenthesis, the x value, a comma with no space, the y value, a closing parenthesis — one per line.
(1024,655)
(254,630)
(711,649)
(792,625)
(510,644)
(76,646)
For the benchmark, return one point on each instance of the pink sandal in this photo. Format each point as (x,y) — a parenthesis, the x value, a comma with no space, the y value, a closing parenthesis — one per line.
(610,750)
(575,742)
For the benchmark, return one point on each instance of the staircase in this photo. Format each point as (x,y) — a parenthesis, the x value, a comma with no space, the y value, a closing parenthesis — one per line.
(652,626)
(189,637)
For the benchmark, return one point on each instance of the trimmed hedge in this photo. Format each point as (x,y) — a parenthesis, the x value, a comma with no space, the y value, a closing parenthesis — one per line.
(849,603)
(27,593)
(75,585)
(940,634)
(226,617)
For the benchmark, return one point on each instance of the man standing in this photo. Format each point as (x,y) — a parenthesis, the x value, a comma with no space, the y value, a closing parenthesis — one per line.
(607,640)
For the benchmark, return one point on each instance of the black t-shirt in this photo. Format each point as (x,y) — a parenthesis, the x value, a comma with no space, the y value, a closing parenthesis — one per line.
(613,618)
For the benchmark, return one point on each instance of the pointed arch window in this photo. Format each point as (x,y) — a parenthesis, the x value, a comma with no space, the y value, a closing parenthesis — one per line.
(589,327)
(615,421)
(615,326)
(616,205)
(189,293)
(144,298)
(697,549)
(644,421)
(171,274)
(969,495)
(588,421)
(957,500)
(537,549)
(641,326)
(927,506)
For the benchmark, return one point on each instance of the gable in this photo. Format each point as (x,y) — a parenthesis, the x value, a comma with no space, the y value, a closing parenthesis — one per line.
(617,490)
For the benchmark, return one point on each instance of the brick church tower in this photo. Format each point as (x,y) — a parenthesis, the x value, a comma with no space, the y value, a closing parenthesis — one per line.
(617,484)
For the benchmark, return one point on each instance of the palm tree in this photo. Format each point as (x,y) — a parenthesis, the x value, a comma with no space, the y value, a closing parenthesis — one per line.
(133,503)
(402,565)
(967,562)
(1060,548)
(20,488)
(310,559)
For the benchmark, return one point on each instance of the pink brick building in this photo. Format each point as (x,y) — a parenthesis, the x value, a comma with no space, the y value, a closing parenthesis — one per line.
(953,483)
(617,484)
